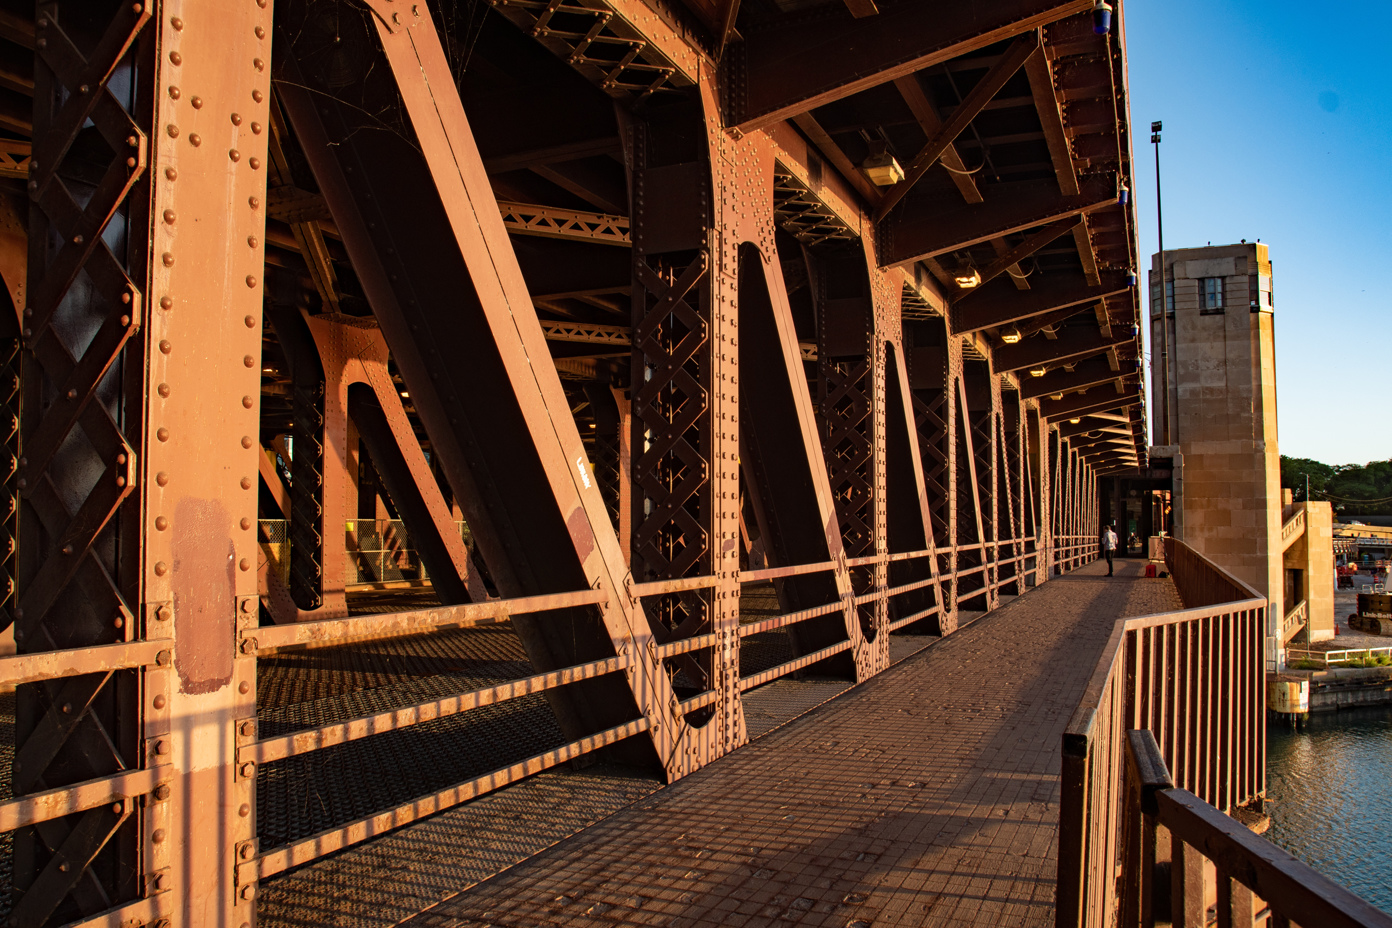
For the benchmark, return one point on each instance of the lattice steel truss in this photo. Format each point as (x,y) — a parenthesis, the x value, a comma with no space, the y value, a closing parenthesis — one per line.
(240,289)
(81,429)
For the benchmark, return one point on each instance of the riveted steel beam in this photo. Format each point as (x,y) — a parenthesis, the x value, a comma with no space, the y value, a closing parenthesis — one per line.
(496,414)
(936,226)
(1071,343)
(792,67)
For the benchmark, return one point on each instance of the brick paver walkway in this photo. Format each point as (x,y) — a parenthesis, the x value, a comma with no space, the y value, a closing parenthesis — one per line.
(927,796)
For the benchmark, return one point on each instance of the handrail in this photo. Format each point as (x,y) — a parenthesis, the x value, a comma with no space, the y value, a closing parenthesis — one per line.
(1293,528)
(1245,864)
(489,612)
(995,570)
(1199,581)
(316,739)
(1335,656)
(1294,621)
(1193,677)
(103,658)
(277,859)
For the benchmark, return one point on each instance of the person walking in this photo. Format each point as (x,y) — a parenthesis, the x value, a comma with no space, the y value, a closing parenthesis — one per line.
(1109,543)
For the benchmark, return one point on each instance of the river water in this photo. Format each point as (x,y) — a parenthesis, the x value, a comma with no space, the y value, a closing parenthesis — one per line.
(1330,782)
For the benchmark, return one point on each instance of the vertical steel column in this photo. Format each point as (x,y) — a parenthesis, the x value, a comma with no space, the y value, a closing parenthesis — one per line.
(886,335)
(1037,463)
(975,588)
(199,473)
(850,362)
(624,441)
(1007,483)
(929,372)
(906,519)
(1053,493)
(305,513)
(685,420)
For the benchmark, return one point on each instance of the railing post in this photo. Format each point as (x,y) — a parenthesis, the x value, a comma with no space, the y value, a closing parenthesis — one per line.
(1234,903)
(1074,815)
(1187,908)
(1146,776)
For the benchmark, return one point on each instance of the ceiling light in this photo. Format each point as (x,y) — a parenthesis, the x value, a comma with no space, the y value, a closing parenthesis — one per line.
(405,395)
(968,277)
(1101,17)
(1074,421)
(1011,335)
(1055,396)
(1038,371)
(881,167)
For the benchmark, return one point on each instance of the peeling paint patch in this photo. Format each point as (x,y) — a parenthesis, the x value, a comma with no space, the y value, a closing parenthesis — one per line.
(204,587)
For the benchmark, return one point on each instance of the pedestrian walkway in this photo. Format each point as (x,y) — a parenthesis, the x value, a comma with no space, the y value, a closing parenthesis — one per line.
(927,796)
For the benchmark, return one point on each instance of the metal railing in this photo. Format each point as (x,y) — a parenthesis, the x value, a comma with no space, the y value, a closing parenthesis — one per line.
(1294,621)
(1194,678)
(1173,837)
(267,639)
(1362,657)
(1293,528)
(125,789)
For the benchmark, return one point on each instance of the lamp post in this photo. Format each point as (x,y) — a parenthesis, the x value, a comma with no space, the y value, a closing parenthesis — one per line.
(1170,438)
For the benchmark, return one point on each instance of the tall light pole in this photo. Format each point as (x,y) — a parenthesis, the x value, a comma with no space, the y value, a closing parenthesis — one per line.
(1170,437)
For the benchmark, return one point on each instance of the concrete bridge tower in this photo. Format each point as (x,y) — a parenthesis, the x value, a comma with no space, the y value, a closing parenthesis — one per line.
(1214,406)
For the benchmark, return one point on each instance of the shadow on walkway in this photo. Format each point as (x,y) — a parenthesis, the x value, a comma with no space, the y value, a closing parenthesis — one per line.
(927,795)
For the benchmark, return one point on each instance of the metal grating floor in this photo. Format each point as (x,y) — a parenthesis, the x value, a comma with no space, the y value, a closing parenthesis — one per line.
(902,646)
(313,687)
(379,884)
(386,880)
(300,796)
(781,701)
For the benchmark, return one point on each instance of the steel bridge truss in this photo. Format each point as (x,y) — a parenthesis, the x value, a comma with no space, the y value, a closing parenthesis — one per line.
(280,282)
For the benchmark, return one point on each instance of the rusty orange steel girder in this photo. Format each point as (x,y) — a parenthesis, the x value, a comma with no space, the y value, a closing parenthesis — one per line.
(583,330)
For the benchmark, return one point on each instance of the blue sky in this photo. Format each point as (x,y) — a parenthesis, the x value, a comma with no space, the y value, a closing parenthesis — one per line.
(1278,126)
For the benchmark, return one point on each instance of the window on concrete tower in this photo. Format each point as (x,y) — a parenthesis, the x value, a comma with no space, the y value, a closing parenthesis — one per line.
(1211,294)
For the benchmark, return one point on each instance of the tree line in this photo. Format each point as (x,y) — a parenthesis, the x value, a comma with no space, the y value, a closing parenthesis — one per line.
(1354,489)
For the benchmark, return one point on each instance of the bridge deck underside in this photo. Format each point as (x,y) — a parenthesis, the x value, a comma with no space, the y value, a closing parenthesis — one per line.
(929,792)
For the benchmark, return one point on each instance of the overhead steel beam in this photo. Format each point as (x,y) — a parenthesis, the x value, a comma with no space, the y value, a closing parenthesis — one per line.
(1086,374)
(1011,257)
(792,67)
(1047,104)
(1078,404)
(990,307)
(1024,47)
(14,158)
(931,123)
(1072,343)
(1102,445)
(552,154)
(942,226)
(553,222)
